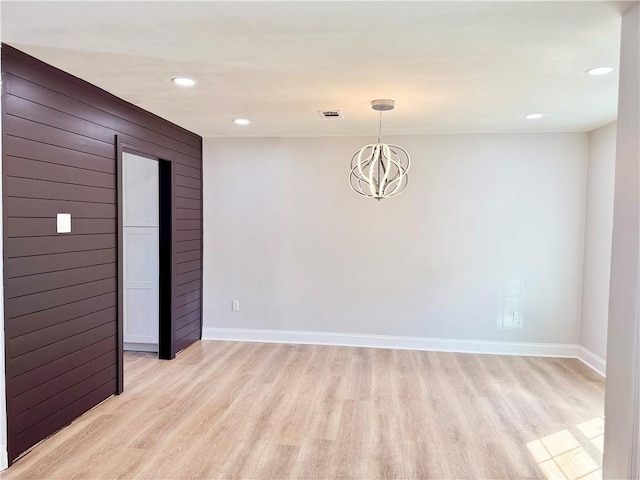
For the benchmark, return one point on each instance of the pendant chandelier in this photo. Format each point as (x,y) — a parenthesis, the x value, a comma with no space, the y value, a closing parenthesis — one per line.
(379,170)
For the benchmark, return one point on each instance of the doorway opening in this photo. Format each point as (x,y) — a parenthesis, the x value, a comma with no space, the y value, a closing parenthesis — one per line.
(145,241)
(140,252)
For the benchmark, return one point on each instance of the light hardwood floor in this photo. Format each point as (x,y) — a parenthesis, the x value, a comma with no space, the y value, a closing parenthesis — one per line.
(241,410)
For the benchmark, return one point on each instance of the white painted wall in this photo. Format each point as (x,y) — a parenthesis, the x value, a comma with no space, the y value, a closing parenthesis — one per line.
(621,439)
(485,217)
(597,241)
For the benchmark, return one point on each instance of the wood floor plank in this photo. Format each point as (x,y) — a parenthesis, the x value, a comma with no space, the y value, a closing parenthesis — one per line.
(231,410)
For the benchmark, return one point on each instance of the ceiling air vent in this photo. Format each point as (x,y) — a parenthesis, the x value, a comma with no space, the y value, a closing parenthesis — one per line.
(330,113)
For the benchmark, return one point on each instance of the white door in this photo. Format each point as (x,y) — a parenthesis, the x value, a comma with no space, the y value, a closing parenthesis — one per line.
(140,202)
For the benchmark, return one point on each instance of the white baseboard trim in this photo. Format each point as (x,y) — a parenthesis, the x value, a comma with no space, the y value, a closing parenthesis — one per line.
(592,360)
(387,341)
(4,458)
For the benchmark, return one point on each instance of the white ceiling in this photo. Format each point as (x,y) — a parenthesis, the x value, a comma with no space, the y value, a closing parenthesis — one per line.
(450,66)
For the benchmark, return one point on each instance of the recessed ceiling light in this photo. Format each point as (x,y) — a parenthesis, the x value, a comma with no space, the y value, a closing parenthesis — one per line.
(534,116)
(599,70)
(242,121)
(183,81)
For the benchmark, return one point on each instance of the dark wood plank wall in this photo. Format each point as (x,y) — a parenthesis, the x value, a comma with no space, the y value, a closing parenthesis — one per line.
(60,295)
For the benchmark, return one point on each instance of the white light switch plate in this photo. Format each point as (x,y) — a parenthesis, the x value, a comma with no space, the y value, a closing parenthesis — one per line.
(64,223)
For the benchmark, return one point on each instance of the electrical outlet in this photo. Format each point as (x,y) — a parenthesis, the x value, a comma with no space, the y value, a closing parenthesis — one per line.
(517,319)
(512,320)
(235,305)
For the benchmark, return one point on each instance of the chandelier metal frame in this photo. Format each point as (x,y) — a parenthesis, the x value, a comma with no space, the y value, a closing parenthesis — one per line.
(379,170)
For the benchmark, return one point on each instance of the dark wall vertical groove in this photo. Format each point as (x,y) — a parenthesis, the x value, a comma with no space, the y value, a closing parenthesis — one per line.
(59,156)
